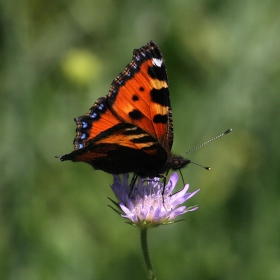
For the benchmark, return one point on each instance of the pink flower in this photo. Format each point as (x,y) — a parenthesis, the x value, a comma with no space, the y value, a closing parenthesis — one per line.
(145,206)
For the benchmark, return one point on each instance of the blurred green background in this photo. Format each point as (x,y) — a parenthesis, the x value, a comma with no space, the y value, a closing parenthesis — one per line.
(223,63)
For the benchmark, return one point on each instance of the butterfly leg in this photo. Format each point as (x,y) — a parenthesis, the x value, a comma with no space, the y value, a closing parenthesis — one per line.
(182,177)
(163,176)
(132,184)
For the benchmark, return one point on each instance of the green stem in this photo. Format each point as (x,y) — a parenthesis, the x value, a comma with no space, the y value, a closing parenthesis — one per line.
(144,245)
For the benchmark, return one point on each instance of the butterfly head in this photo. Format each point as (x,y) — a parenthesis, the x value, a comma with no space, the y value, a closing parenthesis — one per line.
(179,162)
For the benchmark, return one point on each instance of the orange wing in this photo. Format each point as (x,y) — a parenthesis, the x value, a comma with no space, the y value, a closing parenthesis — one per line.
(139,96)
(130,129)
(98,119)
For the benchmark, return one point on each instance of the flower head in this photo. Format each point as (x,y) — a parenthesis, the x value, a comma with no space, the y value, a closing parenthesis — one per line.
(147,205)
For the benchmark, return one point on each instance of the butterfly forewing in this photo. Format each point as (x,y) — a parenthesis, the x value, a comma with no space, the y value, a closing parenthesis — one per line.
(140,95)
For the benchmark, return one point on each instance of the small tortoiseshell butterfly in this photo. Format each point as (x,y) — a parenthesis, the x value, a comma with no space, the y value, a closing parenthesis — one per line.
(131,128)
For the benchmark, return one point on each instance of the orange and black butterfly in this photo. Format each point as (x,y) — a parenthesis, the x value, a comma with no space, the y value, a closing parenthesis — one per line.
(131,129)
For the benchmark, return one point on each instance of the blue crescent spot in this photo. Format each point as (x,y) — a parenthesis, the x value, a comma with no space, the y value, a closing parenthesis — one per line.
(93,116)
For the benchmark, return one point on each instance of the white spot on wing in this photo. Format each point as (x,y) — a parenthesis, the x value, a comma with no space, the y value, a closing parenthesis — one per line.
(131,128)
(157,62)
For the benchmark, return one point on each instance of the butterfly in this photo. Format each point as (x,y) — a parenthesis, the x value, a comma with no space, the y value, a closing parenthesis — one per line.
(131,128)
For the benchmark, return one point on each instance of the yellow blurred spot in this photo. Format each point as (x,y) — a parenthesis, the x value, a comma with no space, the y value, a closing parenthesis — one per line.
(157,84)
(81,66)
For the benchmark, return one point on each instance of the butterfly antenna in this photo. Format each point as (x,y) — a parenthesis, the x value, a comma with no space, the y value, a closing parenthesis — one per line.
(203,144)
(182,177)
(205,167)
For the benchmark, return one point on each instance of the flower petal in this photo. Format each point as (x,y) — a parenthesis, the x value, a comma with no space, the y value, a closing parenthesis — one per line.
(148,206)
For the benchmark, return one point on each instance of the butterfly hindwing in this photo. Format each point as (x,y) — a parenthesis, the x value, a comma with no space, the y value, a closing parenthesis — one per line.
(120,149)
(98,119)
